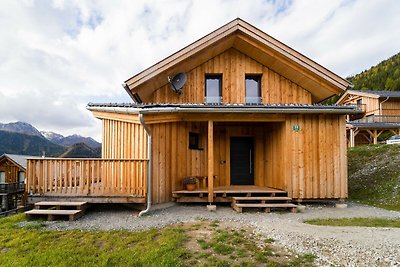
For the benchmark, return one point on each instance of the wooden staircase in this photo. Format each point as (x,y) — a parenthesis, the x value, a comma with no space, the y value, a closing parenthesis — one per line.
(265,202)
(241,197)
(53,209)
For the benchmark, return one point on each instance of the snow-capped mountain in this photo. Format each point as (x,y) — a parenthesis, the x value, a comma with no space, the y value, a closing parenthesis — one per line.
(52,136)
(27,129)
(20,127)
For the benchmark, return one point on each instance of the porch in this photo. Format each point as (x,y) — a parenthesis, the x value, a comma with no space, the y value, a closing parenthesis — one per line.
(225,193)
(91,180)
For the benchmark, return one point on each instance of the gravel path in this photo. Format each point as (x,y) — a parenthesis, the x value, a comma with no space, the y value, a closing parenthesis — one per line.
(348,246)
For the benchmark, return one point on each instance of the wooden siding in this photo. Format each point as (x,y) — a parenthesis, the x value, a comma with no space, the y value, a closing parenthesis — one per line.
(234,65)
(172,159)
(123,140)
(391,108)
(309,164)
(316,160)
(87,177)
(11,170)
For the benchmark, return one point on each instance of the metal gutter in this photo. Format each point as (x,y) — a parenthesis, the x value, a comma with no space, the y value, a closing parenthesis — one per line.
(266,110)
(149,146)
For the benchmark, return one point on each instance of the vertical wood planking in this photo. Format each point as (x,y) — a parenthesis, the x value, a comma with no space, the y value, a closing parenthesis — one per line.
(233,65)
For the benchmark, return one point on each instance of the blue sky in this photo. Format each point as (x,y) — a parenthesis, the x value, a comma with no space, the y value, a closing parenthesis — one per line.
(56,56)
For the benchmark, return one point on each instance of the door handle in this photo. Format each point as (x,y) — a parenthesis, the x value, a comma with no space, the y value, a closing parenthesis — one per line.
(250,163)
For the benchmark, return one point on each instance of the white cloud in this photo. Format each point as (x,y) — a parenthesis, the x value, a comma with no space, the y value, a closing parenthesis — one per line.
(56,56)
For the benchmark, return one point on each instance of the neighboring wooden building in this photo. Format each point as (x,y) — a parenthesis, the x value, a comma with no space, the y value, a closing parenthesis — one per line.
(246,119)
(12,180)
(380,112)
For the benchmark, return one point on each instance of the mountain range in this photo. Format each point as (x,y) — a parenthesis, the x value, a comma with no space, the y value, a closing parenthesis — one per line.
(23,138)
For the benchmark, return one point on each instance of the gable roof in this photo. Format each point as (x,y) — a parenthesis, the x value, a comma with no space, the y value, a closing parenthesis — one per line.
(369,93)
(242,36)
(19,160)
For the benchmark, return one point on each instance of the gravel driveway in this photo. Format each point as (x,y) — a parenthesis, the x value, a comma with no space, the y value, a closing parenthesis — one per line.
(348,246)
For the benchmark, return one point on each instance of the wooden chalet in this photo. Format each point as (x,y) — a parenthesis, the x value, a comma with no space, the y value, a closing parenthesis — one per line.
(379,113)
(12,180)
(245,123)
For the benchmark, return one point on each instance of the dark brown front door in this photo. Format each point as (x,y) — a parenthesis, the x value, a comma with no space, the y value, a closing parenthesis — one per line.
(242,160)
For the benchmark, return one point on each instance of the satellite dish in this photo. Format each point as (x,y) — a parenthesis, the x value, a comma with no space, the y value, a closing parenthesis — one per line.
(177,82)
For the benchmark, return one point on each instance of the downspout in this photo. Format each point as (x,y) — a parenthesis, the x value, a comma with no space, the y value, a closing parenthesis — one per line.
(149,144)
(380,105)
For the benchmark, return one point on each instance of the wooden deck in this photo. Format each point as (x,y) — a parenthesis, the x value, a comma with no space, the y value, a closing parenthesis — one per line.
(88,180)
(225,193)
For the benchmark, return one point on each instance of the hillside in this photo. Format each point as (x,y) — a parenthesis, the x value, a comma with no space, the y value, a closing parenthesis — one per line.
(374,175)
(384,76)
(81,150)
(17,143)
(77,139)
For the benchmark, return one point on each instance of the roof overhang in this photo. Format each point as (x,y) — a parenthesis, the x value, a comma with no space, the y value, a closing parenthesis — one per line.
(240,35)
(376,95)
(244,109)
(8,157)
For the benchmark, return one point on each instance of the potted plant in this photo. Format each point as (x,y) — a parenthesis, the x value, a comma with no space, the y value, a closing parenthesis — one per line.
(190,182)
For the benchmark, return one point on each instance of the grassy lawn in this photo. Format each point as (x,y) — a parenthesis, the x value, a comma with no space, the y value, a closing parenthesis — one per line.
(201,244)
(374,175)
(365,222)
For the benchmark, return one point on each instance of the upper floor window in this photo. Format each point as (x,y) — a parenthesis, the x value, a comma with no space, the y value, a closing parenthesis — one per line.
(2,177)
(21,177)
(213,92)
(253,89)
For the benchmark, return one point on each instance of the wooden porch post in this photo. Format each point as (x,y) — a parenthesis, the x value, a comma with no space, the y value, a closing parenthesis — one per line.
(352,137)
(375,137)
(210,161)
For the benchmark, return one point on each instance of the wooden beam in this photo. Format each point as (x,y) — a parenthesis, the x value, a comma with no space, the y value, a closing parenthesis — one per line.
(132,118)
(352,136)
(210,161)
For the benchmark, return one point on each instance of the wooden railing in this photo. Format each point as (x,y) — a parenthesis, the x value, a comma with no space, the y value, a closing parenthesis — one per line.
(87,177)
(12,188)
(378,119)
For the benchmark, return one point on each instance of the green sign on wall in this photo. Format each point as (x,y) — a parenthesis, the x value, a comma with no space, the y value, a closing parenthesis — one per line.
(296,128)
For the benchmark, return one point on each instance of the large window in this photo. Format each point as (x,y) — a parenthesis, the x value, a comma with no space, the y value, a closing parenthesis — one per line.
(213,92)
(253,89)
(2,177)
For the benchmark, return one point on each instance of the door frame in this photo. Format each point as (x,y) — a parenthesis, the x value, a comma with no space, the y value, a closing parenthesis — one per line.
(251,158)
(228,155)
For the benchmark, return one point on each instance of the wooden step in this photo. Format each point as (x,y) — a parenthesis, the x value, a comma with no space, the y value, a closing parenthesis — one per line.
(51,214)
(267,206)
(59,204)
(237,199)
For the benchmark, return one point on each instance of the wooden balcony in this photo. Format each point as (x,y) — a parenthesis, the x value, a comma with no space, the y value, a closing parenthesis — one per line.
(11,188)
(378,119)
(100,179)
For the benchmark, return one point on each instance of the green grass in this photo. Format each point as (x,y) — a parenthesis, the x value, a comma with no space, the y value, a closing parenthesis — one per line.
(30,246)
(364,222)
(240,247)
(203,243)
(374,175)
